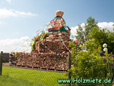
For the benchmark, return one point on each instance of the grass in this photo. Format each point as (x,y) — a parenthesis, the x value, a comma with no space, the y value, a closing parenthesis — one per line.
(24,77)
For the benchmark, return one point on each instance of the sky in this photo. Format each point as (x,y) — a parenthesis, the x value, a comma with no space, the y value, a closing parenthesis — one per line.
(20,19)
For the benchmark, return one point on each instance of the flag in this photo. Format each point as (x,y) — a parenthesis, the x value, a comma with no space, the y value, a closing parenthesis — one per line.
(78,44)
(81,46)
(68,31)
(44,34)
(76,41)
(62,20)
(36,32)
(23,51)
(82,38)
(16,54)
(72,36)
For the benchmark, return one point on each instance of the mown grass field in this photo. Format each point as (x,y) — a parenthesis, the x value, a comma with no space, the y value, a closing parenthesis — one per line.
(24,77)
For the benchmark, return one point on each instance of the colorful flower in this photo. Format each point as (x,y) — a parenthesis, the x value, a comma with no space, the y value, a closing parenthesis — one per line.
(102,54)
(104,60)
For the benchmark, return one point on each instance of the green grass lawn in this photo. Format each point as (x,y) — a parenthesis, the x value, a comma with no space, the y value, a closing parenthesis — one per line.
(24,77)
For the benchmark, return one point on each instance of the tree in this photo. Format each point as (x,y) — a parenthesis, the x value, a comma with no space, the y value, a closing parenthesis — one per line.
(113,27)
(91,23)
(99,37)
(81,33)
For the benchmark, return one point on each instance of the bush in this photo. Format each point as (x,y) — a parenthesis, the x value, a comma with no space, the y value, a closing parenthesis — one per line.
(92,65)
(101,36)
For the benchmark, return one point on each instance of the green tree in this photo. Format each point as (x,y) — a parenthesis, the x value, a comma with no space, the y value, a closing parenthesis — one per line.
(91,23)
(99,37)
(81,33)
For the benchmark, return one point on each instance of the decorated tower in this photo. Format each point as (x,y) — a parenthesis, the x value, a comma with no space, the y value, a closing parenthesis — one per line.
(49,50)
(58,37)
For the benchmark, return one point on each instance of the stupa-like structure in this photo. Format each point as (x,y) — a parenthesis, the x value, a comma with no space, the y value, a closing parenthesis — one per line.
(51,52)
(58,38)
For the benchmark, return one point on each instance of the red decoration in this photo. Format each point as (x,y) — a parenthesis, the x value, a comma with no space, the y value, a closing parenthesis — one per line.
(62,20)
(36,37)
(68,31)
(36,32)
(51,22)
(44,34)
(82,38)
(23,52)
(77,41)
(56,28)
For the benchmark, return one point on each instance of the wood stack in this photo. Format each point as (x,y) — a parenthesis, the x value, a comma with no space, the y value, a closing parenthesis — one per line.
(43,60)
(54,43)
(49,54)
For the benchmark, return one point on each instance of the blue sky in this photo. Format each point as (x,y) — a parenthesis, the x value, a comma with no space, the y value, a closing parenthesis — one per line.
(22,18)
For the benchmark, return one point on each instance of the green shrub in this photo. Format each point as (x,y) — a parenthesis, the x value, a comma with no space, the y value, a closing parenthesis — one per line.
(92,65)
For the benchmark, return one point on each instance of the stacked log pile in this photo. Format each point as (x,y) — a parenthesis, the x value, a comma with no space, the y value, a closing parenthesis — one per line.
(54,43)
(43,60)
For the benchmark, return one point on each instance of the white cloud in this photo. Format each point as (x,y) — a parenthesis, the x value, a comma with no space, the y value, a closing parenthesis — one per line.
(9,1)
(108,25)
(17,45)
(73,29)
(4,13)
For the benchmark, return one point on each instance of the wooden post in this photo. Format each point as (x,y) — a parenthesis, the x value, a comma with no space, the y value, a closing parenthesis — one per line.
(112,76)
(1,62)
(69,66)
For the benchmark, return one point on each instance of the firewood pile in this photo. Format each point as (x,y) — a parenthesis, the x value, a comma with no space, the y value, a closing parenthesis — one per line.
(55,42)
(56,36)
(43,60)
(51,53)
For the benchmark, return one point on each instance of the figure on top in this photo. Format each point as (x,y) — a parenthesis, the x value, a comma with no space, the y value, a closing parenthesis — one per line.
(58,23)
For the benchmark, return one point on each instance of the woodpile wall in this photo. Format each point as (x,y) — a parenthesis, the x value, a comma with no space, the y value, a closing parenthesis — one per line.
(42,60)
(54,43)
(51,53)
(55,46)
